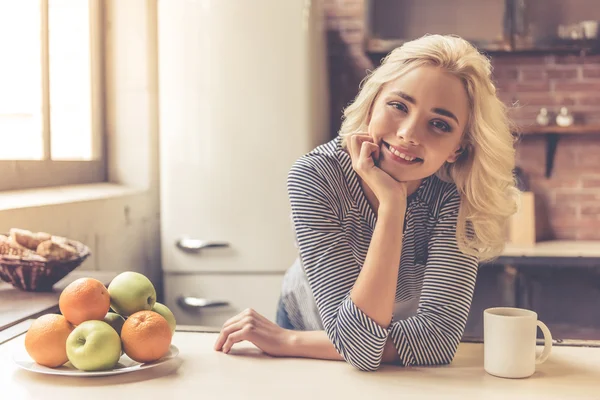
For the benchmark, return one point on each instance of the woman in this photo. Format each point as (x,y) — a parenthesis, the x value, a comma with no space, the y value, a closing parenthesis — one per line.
(393,216)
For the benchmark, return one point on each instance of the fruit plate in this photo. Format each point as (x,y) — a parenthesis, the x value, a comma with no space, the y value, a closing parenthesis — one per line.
(124,366)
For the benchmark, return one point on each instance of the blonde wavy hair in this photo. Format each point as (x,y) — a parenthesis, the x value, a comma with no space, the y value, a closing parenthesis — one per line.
(483,173)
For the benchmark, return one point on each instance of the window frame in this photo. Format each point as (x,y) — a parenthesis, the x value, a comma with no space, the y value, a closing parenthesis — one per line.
(28,174)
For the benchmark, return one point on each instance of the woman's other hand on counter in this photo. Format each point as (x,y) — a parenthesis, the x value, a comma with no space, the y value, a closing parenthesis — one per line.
(251,326)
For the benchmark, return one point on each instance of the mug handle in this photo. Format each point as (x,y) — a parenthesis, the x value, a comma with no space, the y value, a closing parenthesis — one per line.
(547,343)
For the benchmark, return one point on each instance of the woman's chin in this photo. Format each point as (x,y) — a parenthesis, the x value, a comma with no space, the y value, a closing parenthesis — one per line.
(403,174)
(412,176)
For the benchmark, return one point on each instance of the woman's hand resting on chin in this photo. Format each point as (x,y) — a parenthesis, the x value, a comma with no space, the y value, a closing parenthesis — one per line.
(364,153)
(253,327)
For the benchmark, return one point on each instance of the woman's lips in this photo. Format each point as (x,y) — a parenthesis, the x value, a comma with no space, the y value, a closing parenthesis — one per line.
(401,155)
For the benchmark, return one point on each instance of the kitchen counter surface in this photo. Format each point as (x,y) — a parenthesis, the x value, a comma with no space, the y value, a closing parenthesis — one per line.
(17,305)
(247,373)
(556,248)
(553,253)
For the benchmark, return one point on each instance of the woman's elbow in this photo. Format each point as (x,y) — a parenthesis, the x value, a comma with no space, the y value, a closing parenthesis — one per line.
(365,367)
(432,360)
(445,359)
(363,364)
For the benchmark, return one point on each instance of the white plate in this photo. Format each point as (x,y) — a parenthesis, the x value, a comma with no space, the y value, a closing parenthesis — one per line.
(125,365)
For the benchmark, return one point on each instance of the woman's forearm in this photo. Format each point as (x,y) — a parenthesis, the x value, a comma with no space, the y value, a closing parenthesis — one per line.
(375,289)
(312,344)
(316,344)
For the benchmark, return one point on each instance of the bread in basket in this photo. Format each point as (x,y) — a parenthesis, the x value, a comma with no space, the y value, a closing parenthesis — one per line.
(36,261)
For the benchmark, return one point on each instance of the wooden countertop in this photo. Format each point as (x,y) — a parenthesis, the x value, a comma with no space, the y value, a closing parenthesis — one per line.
(246,373)
(17,305)
(556,248)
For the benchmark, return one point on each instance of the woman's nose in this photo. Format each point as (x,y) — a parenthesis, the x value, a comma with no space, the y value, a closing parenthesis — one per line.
(408,133)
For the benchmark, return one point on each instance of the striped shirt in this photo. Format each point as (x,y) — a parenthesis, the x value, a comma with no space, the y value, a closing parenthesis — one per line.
(334,223)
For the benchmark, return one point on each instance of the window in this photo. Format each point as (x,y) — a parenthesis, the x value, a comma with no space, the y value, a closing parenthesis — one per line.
(51,125)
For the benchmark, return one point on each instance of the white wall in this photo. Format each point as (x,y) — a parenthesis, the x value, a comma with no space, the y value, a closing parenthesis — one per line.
(119,222)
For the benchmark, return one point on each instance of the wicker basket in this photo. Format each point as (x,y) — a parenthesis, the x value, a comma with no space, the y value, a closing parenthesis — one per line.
(36,274)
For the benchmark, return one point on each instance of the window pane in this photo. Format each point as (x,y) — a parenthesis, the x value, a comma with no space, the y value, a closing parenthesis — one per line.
(70,79)
(20,80)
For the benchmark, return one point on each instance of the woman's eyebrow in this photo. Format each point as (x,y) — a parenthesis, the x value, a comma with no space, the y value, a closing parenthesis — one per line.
(446,113)
(440,111)
(405,96)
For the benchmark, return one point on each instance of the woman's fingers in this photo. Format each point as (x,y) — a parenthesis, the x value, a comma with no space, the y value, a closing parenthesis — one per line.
(351,147)
(248,316)
(356,148)
(369,150)
(230,329)
(244,333)
(369,153)
(355,144)
(222,335)
(257,329)
(377,153)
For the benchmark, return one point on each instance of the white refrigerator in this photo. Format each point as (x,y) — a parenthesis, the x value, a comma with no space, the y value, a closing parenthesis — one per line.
(242,94)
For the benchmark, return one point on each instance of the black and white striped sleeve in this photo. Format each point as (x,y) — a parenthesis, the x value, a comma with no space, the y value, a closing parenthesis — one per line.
(431,337)
(329,264)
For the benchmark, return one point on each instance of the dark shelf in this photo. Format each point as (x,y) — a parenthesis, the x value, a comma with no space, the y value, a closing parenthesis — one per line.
(559,47)
(553,134)
(569,130)
(376,49)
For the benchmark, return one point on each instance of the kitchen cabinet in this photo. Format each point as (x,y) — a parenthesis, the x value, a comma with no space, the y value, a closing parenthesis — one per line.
(560,280)
(566,298)
(214,298)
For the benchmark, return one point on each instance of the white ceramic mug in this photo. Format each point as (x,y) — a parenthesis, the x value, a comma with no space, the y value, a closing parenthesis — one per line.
(509,342)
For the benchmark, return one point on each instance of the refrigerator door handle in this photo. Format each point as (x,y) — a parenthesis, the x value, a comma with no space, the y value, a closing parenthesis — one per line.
(195,245)
(199,303)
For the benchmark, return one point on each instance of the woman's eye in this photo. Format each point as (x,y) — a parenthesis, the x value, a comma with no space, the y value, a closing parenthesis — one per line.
(399,106)
(441,125)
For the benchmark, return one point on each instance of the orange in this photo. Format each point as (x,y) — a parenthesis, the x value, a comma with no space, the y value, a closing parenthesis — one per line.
(146,336)
(46,340)
(84,299)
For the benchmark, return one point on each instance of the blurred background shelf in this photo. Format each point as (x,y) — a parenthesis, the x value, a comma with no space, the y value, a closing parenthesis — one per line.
(568,130)
(553,134)
(377,48)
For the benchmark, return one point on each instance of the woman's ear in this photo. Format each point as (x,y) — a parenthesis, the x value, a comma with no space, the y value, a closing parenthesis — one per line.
(455,154)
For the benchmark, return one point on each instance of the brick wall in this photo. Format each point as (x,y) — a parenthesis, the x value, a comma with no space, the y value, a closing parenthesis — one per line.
(570,198)
(569,201)
(550,81)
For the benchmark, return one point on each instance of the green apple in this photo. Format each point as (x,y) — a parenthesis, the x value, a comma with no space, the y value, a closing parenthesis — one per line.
(94,346)
(114,320)
(131,292)
(166,313)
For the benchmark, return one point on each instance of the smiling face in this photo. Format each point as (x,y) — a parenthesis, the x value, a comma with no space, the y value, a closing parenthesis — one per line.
(419,120)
